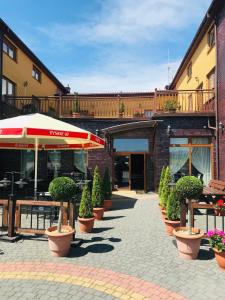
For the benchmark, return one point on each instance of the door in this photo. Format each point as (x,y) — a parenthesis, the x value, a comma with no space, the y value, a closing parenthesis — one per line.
(137,172)
(122,171)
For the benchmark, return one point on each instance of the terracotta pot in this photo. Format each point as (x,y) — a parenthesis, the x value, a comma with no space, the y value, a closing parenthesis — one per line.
(220,258)
(171,225)
(86,224)
(219,212)
(188,245)
(98,213)
(59,243)
(107,204)
(163,211)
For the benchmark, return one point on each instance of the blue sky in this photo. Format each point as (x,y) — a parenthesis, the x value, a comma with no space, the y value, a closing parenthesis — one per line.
(107,45)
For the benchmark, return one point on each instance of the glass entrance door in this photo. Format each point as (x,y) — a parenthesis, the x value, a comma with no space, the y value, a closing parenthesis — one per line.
(122,171)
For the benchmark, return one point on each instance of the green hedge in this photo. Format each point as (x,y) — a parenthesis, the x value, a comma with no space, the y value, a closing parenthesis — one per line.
(165,188)
(189,187)
(107,189)
(173,207)
(62,189)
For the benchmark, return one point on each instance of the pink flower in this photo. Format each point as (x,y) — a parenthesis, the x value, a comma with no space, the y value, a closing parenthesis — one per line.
(220,202)
(210,233)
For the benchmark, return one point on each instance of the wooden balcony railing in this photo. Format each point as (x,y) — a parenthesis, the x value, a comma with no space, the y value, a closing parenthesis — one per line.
(132,106)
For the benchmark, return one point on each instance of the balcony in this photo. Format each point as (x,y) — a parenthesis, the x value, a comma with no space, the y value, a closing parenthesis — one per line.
(133,106)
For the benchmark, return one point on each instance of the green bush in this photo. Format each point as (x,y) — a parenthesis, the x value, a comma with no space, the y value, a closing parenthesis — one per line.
(97,194)
(189,187)
(165,188)
(106,185)
(161,181)
(62,189)
(86,208)
(171,105)
(121,108)
(173,207)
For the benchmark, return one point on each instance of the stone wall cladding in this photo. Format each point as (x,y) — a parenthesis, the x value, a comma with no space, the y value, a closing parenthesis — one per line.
(221,87)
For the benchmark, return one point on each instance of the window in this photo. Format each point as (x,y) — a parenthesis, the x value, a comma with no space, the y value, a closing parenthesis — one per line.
(211,80)
(192,158)
(9,49)
(131,145)
(8,87)
(80,161)
(27,163)
(189,70)
(54,164)
(211,37)
(36,74)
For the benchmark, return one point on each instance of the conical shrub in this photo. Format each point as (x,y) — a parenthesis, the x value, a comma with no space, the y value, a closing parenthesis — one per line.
(161,181)
(97,193)
(86,208)
(166,189)
(107,189)
(173,207)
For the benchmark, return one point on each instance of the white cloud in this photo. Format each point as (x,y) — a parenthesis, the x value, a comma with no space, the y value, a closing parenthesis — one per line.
(130,21)
(125,78)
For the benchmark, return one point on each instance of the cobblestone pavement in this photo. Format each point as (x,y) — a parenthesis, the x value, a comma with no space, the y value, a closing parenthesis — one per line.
(128,256)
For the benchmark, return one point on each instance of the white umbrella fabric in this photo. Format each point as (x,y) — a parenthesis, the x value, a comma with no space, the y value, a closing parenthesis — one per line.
(40,132)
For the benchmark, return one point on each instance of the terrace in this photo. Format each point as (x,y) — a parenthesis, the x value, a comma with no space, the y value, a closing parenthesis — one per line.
(112,106)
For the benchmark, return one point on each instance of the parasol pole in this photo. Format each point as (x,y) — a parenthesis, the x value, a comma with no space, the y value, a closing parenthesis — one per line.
(35,168)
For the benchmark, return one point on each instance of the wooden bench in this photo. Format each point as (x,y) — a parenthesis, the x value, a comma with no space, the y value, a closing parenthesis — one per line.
(214,190)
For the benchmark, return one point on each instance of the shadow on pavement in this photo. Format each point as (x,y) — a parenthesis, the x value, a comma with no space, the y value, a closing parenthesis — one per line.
(206,254)
(122,202)
(112,218)
(101,229)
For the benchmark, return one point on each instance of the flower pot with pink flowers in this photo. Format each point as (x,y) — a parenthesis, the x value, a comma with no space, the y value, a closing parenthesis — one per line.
(217,242)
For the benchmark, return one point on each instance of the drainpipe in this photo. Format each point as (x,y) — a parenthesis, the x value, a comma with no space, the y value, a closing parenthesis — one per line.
(216,105)
(1,68)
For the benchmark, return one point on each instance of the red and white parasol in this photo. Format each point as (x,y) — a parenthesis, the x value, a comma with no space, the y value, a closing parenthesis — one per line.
(40,132)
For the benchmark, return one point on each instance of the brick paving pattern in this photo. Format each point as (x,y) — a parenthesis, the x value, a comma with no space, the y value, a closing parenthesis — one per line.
(128,256)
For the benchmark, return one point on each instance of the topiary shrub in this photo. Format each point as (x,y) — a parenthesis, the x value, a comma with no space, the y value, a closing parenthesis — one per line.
(86,208)
(188,188)
(173,207)
(165,187)
(162,175)
(97,194)
(62,189)
(106,185)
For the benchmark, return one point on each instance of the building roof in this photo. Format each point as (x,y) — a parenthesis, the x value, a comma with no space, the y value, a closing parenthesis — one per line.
(207,20)
(130,126)
(20,44)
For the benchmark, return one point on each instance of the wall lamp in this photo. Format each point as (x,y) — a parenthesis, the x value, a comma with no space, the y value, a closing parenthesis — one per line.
(221,127)
(169,130)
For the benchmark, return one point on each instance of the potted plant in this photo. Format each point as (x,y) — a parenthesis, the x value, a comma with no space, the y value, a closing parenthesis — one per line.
(165,191)
(107,190)
(171,105)
(86,218)
(219,208)
(172,212)
(121,109)
(217,242)
(61,189)
(188,238)
(97,195)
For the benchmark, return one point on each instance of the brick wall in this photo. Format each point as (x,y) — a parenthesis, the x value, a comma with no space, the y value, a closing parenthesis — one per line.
(221,88)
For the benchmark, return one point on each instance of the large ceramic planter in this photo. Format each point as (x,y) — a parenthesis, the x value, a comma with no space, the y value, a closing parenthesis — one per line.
(171,225)
(86,224)
(59,243)
(220,258)
(188,245)
(98,213)
(107,204)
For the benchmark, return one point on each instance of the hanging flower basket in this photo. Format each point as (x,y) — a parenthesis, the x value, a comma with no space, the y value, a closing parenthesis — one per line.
(219,208)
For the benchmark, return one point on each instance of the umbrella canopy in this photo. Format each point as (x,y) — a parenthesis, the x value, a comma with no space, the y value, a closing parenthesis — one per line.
(38,132)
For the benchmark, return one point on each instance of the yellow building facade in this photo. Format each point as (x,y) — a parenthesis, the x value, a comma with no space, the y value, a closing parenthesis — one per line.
(23,74)
(197,70)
